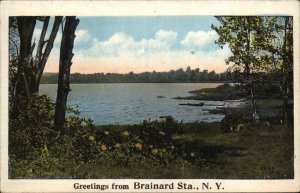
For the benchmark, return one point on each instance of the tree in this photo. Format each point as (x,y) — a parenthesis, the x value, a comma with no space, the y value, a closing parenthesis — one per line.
(242,34)
(278,56)
(42,57)
(28,70)
(65,62)
(25,74)
(14,42)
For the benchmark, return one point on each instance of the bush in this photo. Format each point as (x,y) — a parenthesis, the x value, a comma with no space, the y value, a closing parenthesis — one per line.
(32,128)
(231,120)
(37,148)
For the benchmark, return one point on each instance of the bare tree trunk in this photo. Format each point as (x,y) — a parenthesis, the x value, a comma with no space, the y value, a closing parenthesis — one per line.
(41,58)
(24,76)
(26,27)
(284,88)
(248,73)
(39,51)
(65,63)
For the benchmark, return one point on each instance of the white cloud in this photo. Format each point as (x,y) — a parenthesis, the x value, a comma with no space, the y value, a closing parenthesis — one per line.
(122,53)
(121,44)
(163,41)
(82,36)
(199,39)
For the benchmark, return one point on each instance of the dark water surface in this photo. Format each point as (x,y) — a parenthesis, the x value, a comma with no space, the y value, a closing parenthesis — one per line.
(130,103)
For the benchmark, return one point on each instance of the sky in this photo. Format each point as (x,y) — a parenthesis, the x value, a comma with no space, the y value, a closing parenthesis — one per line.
(122,44)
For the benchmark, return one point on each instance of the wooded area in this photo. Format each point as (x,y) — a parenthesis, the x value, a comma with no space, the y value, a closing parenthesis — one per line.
(26,70)
(176,76)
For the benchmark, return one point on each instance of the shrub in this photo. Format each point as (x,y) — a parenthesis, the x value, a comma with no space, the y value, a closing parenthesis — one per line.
(33,127)
(231,120)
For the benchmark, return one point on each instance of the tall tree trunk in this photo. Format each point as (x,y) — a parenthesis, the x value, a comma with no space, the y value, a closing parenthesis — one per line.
(26,27)
(287,47)
(41,58)
(41,43)
(24,76)
(65,63)
(248,73)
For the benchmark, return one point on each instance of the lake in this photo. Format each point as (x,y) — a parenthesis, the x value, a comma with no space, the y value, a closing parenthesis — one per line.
(130,103)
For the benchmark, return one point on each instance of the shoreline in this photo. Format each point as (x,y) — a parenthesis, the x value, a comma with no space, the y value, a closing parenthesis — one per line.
(188,82)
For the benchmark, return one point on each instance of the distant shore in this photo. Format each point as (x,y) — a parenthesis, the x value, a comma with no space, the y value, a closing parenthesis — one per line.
(173,76)
(141,82)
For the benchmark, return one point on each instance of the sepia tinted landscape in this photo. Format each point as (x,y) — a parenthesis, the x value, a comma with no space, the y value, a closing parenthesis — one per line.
(151,97)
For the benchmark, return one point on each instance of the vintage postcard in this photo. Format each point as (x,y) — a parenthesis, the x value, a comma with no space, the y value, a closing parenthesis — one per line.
(150,96)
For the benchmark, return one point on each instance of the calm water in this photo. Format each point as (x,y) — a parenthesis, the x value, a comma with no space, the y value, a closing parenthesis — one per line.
(131,103)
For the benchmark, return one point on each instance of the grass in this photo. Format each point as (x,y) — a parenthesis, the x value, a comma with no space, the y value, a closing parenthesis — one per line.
(258,151)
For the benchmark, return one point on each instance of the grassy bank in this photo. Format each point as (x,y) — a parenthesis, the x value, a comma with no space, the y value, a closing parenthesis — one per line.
(258,151)
(195,150)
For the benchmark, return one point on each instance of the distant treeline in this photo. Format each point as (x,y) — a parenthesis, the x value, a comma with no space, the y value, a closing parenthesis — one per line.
(179,75)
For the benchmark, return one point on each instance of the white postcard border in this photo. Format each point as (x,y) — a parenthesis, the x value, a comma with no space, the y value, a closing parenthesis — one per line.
(145,8)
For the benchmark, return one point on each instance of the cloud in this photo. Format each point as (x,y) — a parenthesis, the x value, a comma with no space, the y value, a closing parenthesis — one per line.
(121,44)
(121,53)
(199,39)
(82,36)
(163,41)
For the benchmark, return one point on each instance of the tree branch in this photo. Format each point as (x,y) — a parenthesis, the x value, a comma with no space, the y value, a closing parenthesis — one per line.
(15,44)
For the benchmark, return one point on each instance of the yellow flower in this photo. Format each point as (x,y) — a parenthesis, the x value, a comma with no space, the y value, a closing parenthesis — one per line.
(125,133)
(154,151)
(117,145)
(162,133)
(172,147)
(106,132)
(192,154)
(103,147)
(151,146)
(138,146)
(92,138)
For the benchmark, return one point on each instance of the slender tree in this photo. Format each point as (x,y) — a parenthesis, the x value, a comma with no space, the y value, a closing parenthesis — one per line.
(42,57)
(261,44)
(241,33)
(65,63)
(278,56)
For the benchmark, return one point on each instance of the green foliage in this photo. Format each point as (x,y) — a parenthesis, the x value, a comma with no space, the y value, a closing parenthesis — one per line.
(220,93)
(243,35)
(152,140)
(231,120)
(32,128)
